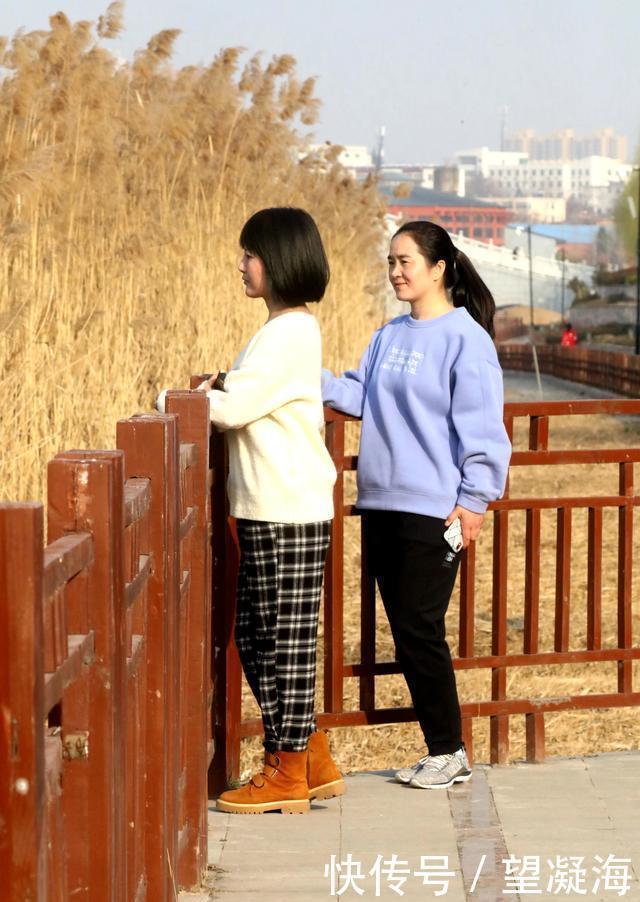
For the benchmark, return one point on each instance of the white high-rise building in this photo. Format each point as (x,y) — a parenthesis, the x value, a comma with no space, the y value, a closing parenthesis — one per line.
(565,145)
(595,180)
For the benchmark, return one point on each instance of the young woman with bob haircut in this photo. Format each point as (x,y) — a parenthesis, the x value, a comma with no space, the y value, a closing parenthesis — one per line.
(433,453)
(280,489)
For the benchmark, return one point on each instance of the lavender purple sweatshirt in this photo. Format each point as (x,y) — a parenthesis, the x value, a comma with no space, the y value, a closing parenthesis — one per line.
(431,400)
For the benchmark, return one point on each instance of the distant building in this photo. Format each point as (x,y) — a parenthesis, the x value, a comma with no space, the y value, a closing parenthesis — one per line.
(594,181)
(466,216)
(481,160)
(577,243)
(533,209)
(437,178)
(564,145)
(356,156)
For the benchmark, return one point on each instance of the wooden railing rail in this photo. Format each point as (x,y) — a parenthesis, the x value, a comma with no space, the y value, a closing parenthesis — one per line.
(609,370)
(105,687)
(499,707)
(109,642)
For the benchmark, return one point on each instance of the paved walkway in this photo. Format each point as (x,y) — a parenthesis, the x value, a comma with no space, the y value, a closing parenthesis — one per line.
(520,386)
(456,840)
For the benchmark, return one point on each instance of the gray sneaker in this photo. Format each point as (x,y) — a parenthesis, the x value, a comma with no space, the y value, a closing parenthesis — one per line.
(442,771)
(406,774)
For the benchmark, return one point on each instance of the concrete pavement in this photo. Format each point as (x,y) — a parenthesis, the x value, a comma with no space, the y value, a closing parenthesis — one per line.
(568,828)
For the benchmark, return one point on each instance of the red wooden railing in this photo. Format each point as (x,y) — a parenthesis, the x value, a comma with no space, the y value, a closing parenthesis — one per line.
(106,658)
(499,707)
(105,686)
(610,370)
(507,328)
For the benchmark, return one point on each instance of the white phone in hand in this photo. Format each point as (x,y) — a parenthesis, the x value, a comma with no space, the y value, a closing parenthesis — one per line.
(453,535)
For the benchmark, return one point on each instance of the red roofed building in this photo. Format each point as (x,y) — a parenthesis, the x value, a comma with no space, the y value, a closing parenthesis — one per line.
(473,218)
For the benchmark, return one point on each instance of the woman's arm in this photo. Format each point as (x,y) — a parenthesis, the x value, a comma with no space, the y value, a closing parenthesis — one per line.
(484,450)
(346,392)
(273,371)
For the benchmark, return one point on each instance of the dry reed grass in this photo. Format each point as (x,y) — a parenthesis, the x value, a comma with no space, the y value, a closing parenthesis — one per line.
(123,189)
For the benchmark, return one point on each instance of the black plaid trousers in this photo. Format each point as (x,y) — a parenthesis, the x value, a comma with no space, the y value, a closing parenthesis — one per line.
(277,608)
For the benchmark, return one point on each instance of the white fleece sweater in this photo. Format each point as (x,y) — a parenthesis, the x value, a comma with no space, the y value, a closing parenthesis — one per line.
(279,468)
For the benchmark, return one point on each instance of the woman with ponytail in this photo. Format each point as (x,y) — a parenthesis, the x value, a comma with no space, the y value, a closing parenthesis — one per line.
(433,453)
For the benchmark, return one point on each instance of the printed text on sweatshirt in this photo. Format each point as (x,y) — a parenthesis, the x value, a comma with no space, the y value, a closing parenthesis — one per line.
(430,396)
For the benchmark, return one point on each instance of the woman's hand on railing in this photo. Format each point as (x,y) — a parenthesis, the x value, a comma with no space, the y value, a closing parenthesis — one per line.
(213,382)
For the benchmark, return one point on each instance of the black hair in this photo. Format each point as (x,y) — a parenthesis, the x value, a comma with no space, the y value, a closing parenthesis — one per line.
(460,275)
(288,242)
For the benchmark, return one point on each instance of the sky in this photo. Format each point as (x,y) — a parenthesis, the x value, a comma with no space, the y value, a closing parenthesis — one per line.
(437,75)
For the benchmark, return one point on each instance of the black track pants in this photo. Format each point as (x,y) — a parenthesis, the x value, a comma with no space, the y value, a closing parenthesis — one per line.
(415,572)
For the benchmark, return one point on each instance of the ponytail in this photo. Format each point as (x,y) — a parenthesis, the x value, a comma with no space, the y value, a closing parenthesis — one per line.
(468,290)
(460,275)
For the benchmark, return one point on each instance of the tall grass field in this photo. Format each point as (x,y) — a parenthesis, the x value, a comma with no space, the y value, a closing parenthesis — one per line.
(123,189)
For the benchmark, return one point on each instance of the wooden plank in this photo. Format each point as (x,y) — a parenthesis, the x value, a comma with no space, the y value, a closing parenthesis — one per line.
(137,500)
(22,764)
(532,582)
(194,430)
(137,658)
(188,522)
(534,729)
(563,579)
(587,501)
(133,589)
(509,426)
(150,444)
(467,737)
(54,824)
(86,493)
(503,708)
(367,629)
(334,580)
(188,450)
(571,408)
(225,661)
(625,577)
(499,726)
(575,456)
(466,628)
(385,668)
(538,433)
(594,579)
(81,650)
(64,559)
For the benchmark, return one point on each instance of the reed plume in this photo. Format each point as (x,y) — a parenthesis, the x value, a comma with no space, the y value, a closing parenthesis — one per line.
(123,188)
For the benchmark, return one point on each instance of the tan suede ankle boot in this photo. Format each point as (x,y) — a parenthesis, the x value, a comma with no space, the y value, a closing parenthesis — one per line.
(324,779)
(280,786)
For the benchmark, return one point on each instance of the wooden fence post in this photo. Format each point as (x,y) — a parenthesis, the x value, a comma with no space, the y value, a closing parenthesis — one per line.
(334,577)
(225,661)
(22,846)
(86,493)
(150,446)
(192,409)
